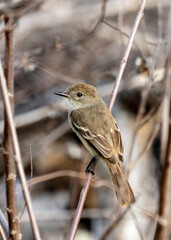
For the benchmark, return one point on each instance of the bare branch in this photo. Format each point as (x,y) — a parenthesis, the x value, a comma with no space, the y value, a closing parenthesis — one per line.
(18,154)
(138,118)
(124,34)
(8,153)
(150,139)
(126,53)
(163,231)
(81,202)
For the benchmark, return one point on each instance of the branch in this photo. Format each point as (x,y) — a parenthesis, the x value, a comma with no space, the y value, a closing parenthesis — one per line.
(141,109)
(126,53)
(8,153)
(30,182)
(51,46)
(126,35)
(18,154)
(113,97)
(19,8)
(163,230)
(9,25)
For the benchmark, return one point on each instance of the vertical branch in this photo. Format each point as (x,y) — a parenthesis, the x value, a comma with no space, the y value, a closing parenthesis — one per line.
(126,53)
(18,154)
(14,226)
(14,139)
(81,202)
(162,229)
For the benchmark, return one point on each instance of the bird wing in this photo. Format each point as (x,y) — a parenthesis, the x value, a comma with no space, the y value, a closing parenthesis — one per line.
(96,140)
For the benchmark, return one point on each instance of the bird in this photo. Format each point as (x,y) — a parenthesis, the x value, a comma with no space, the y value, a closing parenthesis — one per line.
(93,123)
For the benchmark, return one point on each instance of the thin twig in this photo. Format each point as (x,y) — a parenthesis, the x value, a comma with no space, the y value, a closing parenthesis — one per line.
(137,225)
(81,202)
(18,154)
(114,224)
(165,113)
(151,215)
(113,96)
(57,75)
(126,53)
(2,234)
(72,174)
(139,116)
(126,35)
(51,46)
(30,182)
(77,184)
(19,8)
(3,224)
(63,215)
(152,134)
(163,231)
(149,116)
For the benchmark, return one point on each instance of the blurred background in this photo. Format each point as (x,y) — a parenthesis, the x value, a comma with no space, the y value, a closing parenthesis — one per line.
(57,44)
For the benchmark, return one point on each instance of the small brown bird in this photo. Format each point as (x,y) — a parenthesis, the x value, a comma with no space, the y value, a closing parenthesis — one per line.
(94,124)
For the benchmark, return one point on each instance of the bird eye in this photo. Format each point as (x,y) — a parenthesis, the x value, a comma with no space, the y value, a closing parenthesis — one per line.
(79,94)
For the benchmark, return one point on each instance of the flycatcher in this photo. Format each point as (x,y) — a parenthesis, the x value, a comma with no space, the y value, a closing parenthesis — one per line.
(94,124)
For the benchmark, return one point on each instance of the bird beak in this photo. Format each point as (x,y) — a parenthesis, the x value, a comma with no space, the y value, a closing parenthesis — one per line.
(62,94)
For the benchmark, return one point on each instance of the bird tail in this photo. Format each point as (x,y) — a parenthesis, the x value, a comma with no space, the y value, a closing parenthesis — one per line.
(122,188)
